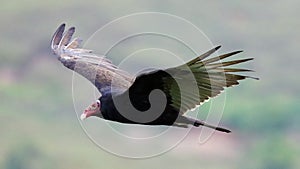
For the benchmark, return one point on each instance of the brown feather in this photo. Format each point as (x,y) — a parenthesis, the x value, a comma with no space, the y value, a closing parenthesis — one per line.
(203,56)
(67,37)
(57,35)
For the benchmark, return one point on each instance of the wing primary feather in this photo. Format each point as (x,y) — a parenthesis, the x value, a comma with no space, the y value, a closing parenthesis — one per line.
(203,56)
(67,37)
(224,64)
(222,70)
(87,64)
(57,36)
(217,58)
(75,43)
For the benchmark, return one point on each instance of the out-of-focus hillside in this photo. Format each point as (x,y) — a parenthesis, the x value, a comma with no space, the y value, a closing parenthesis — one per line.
(39,128)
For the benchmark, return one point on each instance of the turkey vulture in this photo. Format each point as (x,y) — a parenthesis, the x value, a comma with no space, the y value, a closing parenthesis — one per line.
(120,90)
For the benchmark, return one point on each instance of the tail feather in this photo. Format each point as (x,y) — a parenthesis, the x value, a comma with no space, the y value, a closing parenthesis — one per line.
(198,123)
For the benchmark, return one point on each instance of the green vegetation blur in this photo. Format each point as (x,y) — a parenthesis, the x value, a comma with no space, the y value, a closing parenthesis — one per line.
(39,128)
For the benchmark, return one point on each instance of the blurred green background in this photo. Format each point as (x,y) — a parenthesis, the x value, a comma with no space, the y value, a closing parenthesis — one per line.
(39,129)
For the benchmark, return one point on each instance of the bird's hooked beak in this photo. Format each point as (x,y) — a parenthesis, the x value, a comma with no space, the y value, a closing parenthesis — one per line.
(83,116)
(92,110)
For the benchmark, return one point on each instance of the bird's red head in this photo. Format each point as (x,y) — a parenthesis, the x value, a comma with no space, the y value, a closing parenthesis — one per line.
(92,110)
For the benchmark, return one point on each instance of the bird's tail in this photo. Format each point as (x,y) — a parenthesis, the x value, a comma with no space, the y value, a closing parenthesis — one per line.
(198,123)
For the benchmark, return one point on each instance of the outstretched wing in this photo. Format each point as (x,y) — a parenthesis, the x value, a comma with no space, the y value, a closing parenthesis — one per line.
(190,84)
(97,69)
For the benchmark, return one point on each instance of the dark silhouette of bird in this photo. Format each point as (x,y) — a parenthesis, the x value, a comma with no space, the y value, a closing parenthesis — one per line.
(154,97)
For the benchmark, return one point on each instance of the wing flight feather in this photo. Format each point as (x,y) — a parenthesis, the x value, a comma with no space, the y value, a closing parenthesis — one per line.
(97,69)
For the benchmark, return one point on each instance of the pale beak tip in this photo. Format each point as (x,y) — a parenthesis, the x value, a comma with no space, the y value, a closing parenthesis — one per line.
(83,116)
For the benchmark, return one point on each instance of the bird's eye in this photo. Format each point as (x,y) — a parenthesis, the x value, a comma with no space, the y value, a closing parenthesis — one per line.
(94,106)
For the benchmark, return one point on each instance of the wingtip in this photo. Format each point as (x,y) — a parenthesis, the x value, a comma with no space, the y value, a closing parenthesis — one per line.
(250,77)
(57,35)
(235,52)
(218,47)
(72,28)
(62,26)
(247,59)
(67,36)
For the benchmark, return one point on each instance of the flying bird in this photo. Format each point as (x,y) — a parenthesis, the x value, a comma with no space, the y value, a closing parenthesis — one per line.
(127,99)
